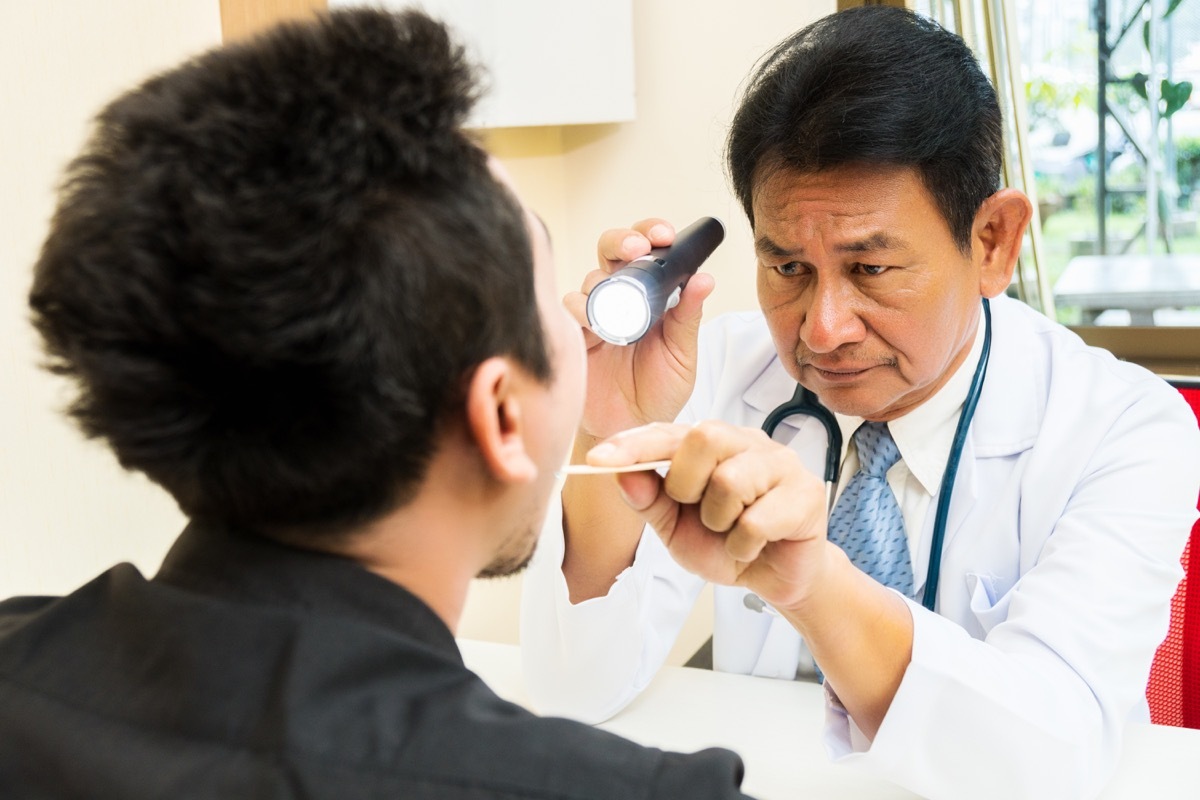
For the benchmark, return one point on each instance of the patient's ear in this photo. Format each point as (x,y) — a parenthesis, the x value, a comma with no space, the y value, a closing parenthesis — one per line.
(496,420)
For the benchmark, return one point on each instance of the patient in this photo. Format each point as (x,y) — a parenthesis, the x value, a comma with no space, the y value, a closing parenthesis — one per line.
(294,293)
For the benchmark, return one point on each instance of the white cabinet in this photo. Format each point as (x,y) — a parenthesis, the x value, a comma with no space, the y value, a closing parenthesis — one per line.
(548,62)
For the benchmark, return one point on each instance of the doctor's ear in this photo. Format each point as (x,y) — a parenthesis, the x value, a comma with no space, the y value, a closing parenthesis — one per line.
(497,422)
(996,238)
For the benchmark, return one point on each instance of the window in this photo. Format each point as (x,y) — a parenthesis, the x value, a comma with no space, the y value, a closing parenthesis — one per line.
(1114,249)
(1115,146)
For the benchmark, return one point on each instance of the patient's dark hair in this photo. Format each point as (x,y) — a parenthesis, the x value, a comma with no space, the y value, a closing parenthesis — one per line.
(273,268)
(872,85)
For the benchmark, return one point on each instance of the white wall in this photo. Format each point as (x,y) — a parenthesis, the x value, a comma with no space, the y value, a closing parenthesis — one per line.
(67,510)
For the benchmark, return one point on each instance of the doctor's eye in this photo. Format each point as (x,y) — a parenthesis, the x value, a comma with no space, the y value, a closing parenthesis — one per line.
(871,269)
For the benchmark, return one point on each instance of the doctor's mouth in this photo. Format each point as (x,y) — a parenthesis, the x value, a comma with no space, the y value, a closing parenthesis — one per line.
(842,373)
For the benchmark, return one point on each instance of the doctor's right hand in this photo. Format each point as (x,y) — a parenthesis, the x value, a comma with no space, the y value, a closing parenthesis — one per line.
(651,379)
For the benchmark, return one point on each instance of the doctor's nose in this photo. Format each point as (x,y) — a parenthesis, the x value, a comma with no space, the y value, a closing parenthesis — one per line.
(831,320)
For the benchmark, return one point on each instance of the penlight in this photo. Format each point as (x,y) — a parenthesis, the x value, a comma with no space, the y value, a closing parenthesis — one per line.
(624,306)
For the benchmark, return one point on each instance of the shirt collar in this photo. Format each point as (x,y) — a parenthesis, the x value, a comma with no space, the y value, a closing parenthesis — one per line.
(925,434)
(242,567)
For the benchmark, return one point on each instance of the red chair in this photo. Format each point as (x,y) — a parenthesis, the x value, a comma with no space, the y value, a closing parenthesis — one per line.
(1174,688)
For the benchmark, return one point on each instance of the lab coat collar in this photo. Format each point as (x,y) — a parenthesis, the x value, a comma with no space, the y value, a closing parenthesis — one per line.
(1007,419)
(772,388)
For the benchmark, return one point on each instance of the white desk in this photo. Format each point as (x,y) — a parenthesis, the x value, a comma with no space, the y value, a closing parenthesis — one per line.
(780,741)
(1137,283)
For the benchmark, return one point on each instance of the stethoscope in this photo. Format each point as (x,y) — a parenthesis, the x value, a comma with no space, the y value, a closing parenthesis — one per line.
(805,403)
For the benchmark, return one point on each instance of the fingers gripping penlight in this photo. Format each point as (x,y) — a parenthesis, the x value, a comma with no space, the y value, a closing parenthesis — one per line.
(624,306)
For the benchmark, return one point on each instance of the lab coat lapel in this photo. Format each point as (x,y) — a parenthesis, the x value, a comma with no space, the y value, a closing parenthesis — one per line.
(771,388)
(803,434)
(1005,424)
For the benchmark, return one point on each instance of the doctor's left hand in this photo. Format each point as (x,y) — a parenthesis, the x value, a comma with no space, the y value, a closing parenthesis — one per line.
(735,507)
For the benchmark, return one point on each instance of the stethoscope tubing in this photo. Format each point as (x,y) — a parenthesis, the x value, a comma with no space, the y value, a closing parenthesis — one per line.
(941,519)
(804,402)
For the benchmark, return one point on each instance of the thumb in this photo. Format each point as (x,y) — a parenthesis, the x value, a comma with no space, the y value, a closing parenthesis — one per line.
(643,492)
(681,323)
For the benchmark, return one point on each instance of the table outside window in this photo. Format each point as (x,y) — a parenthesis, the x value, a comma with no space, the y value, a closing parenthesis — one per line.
(1140,284)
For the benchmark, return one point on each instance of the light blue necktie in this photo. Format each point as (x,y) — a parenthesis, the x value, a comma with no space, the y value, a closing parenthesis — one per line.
(866,520)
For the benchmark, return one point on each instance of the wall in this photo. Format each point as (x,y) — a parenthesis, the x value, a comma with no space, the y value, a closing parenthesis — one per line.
(67,510)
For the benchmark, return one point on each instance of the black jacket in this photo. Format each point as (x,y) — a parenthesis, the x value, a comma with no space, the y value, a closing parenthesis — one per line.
(247,669)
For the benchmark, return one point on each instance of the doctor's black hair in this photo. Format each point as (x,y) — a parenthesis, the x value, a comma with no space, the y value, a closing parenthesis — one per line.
(273,268)
(872,85)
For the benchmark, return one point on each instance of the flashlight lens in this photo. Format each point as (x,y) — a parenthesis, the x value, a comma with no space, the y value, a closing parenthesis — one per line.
(620,312)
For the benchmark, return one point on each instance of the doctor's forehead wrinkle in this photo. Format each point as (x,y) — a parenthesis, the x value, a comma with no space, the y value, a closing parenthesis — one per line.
(875,242)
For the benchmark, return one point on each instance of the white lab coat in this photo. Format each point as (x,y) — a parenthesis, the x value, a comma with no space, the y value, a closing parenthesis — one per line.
(1074,498)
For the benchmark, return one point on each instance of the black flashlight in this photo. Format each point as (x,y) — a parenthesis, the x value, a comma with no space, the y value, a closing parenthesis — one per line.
(624,306)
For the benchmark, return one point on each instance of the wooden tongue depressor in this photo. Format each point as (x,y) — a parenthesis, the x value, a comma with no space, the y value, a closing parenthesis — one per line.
(589,469)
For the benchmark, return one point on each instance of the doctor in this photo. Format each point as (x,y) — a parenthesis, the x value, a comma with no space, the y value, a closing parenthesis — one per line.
(866,153)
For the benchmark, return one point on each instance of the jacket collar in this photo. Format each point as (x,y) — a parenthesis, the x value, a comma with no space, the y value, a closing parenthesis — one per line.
(242,567)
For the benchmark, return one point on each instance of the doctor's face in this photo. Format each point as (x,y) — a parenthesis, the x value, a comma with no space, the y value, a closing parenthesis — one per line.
(870,302)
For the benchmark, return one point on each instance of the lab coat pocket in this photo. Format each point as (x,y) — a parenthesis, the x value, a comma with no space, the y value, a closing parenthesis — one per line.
(989,610)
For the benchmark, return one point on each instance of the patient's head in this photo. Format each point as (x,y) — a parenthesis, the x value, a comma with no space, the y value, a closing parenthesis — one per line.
(273,270)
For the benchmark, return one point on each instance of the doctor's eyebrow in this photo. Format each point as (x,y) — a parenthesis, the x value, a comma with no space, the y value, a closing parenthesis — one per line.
(766,246)
(876,241)
(869,244)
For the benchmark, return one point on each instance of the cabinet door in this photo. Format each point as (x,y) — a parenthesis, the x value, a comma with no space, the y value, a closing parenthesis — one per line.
(548,62)
(241,18)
